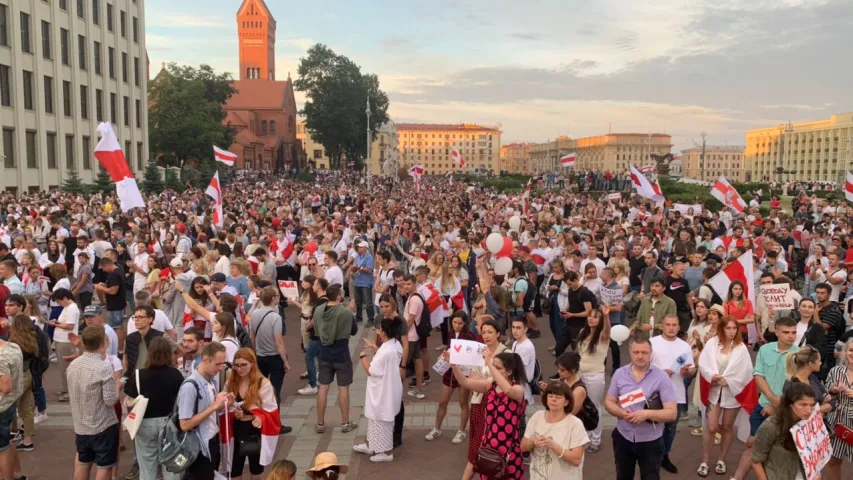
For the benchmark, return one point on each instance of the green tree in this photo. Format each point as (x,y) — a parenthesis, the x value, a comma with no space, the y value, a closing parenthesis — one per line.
(186,115)
(151,181)
(336,94)
(103,182)
(173,182)
(73,183)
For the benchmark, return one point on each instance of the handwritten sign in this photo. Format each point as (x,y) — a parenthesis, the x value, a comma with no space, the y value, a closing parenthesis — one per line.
(777,296)
(614,196)
(812,441)
(441,366)
(288,288)
(610,296)
(467,352)
(685,208)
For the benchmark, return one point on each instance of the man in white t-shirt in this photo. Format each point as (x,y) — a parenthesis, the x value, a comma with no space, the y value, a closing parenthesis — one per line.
(161,320)
(674,356)
(333,274)
(525,349)
(67,324)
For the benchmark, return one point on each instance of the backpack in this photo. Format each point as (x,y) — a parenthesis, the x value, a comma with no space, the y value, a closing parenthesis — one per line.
(715,299)
(534,382)
(41,362)
(243,336)
(528,295)
(588,413)
(423,326)
(178,449)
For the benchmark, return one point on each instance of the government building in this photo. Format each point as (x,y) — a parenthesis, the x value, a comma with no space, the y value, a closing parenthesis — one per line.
(720,160)
(66,66)
(429,144)
(611,152)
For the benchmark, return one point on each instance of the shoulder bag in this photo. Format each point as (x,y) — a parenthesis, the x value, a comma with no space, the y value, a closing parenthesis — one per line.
(490,463)
(134,419)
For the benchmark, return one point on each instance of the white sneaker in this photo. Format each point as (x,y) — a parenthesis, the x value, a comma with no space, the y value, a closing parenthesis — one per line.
(52,357)
(308,390)
(417,394)
(460,436)
(39,418)
(381,457)
(363,448)
(433,434)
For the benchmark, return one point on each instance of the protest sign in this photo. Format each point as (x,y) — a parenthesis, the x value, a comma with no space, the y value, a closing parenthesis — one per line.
(288,288)
(685,208)
(611,296)
(441,366)
(467,352)
(812,441)
(614,196)
(778,296)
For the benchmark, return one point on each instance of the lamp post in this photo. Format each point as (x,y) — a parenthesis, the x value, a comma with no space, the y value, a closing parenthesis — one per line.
(367,162)
(701,156)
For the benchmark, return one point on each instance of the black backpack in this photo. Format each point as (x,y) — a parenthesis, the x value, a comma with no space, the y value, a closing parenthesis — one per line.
(715,299)
(424,325)
(41,362)
(588,413)
(243,336)
(528,295)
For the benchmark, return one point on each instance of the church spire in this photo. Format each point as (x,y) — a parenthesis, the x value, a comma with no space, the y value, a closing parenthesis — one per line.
(256,34)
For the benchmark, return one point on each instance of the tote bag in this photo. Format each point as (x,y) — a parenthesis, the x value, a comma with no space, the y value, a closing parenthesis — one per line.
(134,419)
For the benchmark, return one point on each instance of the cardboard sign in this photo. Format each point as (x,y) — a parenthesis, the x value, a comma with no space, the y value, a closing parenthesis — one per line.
(614,196)
(467,352)
(611,296)
(288,288)
(684,208)
(812,441)
(778,296)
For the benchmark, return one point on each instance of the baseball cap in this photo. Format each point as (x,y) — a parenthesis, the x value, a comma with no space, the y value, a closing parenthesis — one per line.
(218,277)
(524,249)
(362,244)
(92,311)
(182,228)
(177,262)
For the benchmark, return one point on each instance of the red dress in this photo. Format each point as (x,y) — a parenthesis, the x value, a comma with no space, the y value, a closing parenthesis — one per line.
(503,416)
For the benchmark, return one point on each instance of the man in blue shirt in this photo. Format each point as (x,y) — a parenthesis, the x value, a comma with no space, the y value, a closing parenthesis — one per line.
(363,281)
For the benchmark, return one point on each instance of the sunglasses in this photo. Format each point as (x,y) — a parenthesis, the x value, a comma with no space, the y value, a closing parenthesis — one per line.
(241,365)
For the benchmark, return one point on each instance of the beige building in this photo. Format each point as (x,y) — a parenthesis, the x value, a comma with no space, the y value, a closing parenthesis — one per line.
(726,161)
(818,151)
(63,70)
(314,152)
(515,158)
(384,154)
(544,157)
(430,146)
(676,167)
(613,152)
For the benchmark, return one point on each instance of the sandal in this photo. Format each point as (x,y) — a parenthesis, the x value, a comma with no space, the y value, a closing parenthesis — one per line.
(703,470)
(720,468)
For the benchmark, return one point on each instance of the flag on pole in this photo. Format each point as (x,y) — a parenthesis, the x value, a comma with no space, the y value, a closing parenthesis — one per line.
(224,156)
(457,157)
(644,187)
(214,191)
(742,270)
(726,193)
(416,170)
(109,153)
(568,160)
(848,187)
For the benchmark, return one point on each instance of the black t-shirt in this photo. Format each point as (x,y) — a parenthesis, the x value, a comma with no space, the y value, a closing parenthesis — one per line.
(578,297)
(637,266)
(70,243)
(677,290)
(160,386)
(118,301)
(787,242)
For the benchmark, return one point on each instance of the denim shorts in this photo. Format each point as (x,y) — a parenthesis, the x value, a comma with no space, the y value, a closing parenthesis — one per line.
(6,419)
(115,318)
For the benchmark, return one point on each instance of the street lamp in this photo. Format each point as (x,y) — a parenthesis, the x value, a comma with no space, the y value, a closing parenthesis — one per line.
(701,156)
(367,163)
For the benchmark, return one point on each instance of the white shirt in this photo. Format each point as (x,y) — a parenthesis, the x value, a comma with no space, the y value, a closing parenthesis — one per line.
(223,266)
(70,316)
(527,352)
(140,279)
(333,275)
(161,322)
(665,354)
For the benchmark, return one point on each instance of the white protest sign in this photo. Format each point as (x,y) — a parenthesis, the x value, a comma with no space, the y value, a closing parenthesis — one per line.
(777,296)
(685,208)
(812,441)
(288,288)
(467,352)
(614,196)
(610,296)
(441,366)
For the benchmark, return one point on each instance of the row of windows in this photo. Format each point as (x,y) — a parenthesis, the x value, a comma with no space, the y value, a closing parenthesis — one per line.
(49,157)
(448,136)
(28,86)
(26,33)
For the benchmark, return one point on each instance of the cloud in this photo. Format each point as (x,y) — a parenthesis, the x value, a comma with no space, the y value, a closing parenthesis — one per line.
(301,43)
(530,37)
(186,20)
(396,42)
(791,106)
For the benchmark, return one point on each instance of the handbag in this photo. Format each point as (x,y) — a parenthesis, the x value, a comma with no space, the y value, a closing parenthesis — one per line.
(249,445)
(490,463)
(133,420)
(842,431)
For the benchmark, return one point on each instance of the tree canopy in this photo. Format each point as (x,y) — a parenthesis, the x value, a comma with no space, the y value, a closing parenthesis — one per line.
(336,94)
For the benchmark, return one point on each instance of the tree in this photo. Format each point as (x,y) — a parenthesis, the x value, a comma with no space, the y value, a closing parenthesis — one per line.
(186,115)
(103,182)
(173,182)
(151,181)
(73,183)
(336,98)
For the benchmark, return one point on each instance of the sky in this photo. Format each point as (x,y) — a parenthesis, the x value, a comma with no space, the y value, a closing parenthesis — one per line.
(557,67)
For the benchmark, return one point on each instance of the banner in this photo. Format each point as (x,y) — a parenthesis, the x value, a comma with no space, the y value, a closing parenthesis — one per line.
(778,296)
(812,441)
(614,196)
(288,288)
(685,208)
(467,352)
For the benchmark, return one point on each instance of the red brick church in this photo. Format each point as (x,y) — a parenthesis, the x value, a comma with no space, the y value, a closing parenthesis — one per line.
(263,111)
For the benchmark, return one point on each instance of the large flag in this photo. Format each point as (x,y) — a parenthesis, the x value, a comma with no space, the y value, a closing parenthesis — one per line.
(649,169)
(739,379)
(644,187)
(109,153)
(214,191)
(726,193)
(438,308)
(742,270)
(270,428)
(416,171)
(224,156)
(457,157)
(848,187)
(568,160)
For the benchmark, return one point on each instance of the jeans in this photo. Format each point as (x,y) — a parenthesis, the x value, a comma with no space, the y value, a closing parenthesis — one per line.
(669,430)
(26,406)
(84,299)
(629,454)
(364,298)
(40,398)
(272,367)
(537,299)
(147,448)
(312,350)
(556,321)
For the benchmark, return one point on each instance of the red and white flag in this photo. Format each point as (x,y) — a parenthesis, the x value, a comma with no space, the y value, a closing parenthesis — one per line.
(848,187)
(416,171)
(649,169)
(224,156)
(109,153)
(568,160)
(739,379)
(266,409)
(438,308)
(739,270)
(457,157)
(539,256)
(726,193)
(214,191)
(644,187)
(285,247)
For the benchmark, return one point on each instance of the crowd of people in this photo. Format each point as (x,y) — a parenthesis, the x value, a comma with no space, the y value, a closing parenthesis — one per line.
(165,306)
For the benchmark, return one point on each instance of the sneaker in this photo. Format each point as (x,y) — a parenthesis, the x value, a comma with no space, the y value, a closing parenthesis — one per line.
(381,457)
(26,447)
(52,357)
(427,378)
(461,436)
(363,448)
(285,430)
(133,473)
(308,390)
(592,448)
(318,428)
(534,334)
(667,465)
(62,398)
(40,417)
(433,434)
(413,383)
(417,394)
(304,376)
(18,437)
(348,427)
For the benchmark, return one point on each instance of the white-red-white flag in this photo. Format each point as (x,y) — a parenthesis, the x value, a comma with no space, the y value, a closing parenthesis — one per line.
(644,187)
(649,168)
(416,170)
(457,157)
(266,410)
(224,156)
(568,160)
(726,193)
(214,191)
(740,270)
(109,153)
(848,187)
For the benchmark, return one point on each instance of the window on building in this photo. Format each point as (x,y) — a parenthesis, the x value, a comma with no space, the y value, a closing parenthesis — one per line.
(63,4)
(5,86)
(113,108)
(138,113)
(51,150)
(26,46)
(263,127)
(122,23)
(129,153)
(136,71)
(63,46)
(48,94)
(30,141)
(99,105)
(81,52)
(111,62)
(109,17)
(124,67)
(96,12)
(4,25)
(69,152)
(87,153)
(140,158)
(135,30)
(46,51)
(9,147)
(84,102)
(272,127)
(96,57)
(28,90)
(126,108)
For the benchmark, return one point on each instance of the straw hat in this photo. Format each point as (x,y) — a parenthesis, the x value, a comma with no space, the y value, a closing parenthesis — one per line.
(719,309)
(325,460)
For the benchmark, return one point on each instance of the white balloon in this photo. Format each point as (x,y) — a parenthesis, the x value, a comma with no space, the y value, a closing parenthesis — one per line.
(618,333)
(503,266)
(494,242)
(514,222)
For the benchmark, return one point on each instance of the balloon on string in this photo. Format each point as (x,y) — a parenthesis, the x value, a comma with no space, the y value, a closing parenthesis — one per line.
(514,222)
(619,333)
(494,242)
(503,266)
(311,247)
(506,249)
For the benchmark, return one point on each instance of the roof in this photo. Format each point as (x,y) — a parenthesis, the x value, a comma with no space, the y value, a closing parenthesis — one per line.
(245,136)
(717,148)
(235,119)
(654,135)
(259,3)
(257,93)
(435,127)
